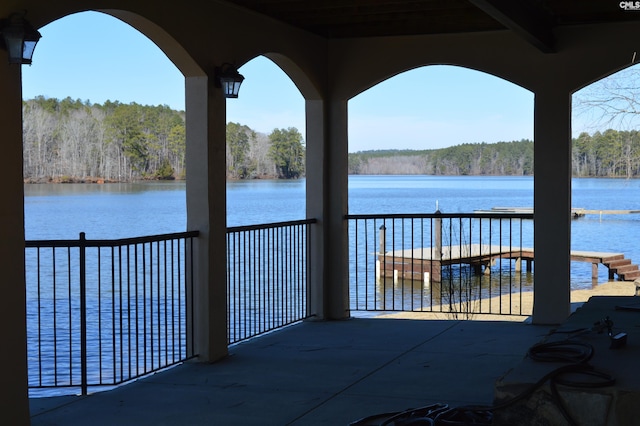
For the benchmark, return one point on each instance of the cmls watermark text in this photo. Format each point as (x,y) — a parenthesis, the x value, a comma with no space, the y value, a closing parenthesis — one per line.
(630,5)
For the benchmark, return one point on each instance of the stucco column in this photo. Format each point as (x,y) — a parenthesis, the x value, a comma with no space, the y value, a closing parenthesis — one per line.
(327,201)
(552,206)
(207,213)
(315,203)
(14,404)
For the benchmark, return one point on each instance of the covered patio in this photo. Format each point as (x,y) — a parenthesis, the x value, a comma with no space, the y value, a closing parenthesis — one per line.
(316,373)
(332,51)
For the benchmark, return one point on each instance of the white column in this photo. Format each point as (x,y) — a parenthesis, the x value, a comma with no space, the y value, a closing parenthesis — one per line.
(552,206)
(206,212)
(315,204)
(327,201)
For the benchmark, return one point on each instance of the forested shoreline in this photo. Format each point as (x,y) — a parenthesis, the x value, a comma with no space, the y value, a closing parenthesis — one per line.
(74,141)
(612,153)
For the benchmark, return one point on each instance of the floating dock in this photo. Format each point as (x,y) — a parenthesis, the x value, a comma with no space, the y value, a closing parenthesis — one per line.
(575,212)
(425,263)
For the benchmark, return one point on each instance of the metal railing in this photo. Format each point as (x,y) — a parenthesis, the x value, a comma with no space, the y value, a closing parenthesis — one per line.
(103,312)
(267,277)
(458,264)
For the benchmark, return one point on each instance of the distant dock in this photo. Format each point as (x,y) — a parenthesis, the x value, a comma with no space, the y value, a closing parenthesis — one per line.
(575,212)
(425,263)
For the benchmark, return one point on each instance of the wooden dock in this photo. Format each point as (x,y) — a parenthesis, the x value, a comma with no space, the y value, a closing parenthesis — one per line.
(575,212)
(425,264)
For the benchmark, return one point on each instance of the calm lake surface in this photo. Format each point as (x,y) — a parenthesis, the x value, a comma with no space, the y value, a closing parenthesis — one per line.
(128,210)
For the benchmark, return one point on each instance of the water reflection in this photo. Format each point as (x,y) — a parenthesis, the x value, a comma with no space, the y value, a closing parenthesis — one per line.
(461,291)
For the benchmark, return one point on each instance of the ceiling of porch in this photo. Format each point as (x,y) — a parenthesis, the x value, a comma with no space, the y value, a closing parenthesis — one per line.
(534,20)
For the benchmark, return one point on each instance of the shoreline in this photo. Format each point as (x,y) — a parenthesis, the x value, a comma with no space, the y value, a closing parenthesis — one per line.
(89,179)
(578,297)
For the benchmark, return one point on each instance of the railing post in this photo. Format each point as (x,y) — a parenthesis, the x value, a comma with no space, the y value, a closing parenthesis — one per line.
(83,314)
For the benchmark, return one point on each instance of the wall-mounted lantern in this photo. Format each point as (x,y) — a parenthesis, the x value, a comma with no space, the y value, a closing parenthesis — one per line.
(229,79)
(19,38)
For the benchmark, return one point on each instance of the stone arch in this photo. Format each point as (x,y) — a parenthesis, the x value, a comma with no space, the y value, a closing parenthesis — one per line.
(426,100)
(302,81)
(401,71)
(153,31)
(170,46)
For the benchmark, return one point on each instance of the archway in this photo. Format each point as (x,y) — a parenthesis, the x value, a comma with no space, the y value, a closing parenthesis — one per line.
(82,142)
(76,102)
(269,103)
(605,165)
(445,139)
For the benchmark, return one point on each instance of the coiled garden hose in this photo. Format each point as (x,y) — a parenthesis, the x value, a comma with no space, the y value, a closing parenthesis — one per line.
(577,354)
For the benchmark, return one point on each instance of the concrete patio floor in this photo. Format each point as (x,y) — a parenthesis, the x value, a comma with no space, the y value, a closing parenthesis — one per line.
(315,373)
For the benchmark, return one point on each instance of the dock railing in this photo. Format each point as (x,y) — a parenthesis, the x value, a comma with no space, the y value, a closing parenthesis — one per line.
(267,277)
(458,264)
(103,312)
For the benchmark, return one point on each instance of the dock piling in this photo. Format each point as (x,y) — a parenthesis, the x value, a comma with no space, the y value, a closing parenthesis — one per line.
(383,239)
(438,236)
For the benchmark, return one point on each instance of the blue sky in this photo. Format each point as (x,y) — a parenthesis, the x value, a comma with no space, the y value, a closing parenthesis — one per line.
(95,57)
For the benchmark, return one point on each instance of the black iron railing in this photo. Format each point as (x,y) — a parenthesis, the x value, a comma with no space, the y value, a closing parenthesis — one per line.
(103,312)
(267,277)
(459,264)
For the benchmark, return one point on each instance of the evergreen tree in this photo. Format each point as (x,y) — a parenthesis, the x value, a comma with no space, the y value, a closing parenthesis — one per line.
(287,152)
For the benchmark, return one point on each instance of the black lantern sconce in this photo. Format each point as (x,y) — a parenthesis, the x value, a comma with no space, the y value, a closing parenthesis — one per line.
(19,38)
(229,79)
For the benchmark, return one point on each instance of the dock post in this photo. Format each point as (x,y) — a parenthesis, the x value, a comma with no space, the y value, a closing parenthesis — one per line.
(383,239)
(519,264)
(438,236)
(382,251)
(436,263)
(487,268)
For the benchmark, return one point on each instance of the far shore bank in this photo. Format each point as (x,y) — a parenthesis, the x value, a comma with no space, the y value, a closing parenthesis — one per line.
(88,179)
(99,180)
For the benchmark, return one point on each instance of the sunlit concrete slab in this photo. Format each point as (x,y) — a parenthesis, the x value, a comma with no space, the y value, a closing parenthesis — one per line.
(315,373)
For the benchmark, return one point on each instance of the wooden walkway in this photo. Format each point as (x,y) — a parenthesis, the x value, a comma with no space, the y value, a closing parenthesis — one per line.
(425,263)
(575,212)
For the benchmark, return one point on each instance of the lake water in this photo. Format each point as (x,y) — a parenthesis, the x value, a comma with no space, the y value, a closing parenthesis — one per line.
(128,210)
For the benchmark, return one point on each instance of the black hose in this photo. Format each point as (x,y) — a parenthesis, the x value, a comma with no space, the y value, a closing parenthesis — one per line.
(577,354)
(562,351)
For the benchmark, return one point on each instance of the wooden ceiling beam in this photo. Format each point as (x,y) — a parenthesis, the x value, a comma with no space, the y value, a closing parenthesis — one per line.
(524,18)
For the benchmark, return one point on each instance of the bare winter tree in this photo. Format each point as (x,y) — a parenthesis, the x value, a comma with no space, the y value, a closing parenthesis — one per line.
(613,102)
(259,154)
(40,128)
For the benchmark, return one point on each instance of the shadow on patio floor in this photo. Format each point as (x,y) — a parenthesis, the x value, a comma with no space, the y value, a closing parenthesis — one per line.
(315,373)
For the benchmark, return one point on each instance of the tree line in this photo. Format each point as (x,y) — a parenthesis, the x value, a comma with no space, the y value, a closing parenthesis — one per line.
(71,140)
(74,141)
(502,158)
(612,153)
